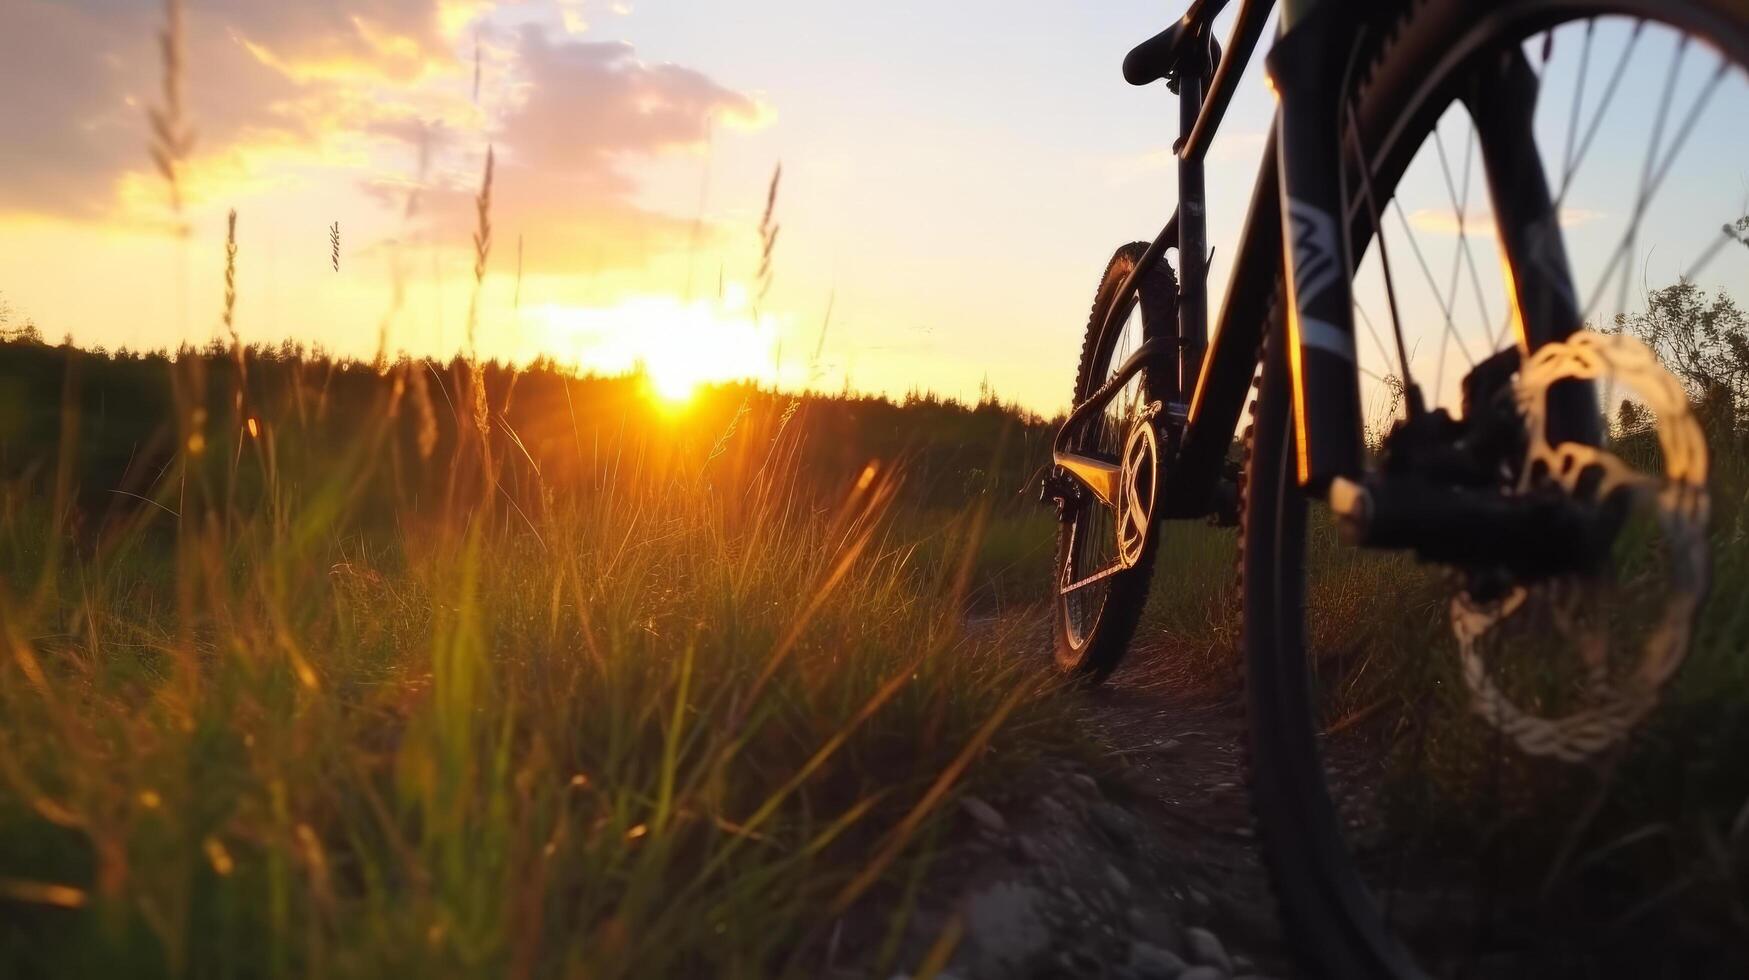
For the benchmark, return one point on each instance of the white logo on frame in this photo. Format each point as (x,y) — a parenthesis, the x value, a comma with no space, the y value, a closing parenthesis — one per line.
(1316,260)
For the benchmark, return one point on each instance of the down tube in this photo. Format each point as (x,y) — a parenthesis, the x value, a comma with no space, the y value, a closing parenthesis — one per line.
(1231,359)
(1305,66)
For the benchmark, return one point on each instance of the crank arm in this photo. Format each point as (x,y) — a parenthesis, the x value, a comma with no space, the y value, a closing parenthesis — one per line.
(1099,476)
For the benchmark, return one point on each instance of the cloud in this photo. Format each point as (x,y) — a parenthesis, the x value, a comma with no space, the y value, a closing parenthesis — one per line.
(81,74)
(62,127)
(1574,217)
(1443,221)
(374,93)
(1125,168)
(568,148)
(591,100)
(346,39)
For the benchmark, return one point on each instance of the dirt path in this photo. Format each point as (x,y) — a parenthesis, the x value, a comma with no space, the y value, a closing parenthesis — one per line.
(1176,758)
(1135,860)
(1136,865)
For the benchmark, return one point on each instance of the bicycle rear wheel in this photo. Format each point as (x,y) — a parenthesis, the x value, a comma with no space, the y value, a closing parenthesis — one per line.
(1403,833)
(1097,599)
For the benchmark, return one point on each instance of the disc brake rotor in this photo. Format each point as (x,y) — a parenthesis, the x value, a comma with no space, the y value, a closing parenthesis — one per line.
(1678,501)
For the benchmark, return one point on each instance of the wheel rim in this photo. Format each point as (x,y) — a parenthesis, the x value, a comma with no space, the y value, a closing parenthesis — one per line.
(1447,165)
(1094,530)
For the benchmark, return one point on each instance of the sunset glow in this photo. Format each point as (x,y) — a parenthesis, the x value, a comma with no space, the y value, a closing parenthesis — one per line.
(637,488)
(672,391)
(634,146)
(677,345)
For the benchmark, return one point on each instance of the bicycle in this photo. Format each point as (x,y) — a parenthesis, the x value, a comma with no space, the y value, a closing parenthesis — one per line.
(1520,499)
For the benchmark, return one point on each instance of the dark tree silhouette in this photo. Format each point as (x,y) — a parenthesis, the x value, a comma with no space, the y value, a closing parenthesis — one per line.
(1703,338)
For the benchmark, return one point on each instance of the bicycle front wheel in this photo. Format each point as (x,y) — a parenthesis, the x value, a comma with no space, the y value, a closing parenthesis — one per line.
(1409,823)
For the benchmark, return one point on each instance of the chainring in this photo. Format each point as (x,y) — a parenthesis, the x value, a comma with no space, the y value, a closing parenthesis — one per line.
(1138,486)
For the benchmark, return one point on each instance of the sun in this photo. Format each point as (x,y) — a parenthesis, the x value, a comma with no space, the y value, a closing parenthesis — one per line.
(677,346)
(671,383)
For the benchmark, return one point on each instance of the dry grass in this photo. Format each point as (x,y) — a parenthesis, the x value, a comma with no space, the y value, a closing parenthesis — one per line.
(677,718)
(655,709)
(675,707)
(172,137)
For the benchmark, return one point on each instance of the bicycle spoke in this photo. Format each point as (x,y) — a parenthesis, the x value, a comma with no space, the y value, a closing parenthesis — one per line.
(1499,336)
(1646,170)
(1439,822)
(1578,100)
(1597,118)
(1458,203)
(1093,532)
(1725,237)
(1450,327)
(1384,355)
(1353,132)
(1643,199)
(1427,274)
(1468,257)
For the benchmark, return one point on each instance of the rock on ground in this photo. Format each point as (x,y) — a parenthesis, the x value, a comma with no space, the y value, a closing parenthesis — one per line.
(1205,948)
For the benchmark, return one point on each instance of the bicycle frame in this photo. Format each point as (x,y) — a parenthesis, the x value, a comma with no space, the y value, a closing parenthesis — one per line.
(1300,167)
(1300,223)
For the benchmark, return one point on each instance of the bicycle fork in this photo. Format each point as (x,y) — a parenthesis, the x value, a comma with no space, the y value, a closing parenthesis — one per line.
(1306,68)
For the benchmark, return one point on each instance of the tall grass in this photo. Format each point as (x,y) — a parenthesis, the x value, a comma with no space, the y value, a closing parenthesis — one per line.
(653,697)
(672,717)
(669,703)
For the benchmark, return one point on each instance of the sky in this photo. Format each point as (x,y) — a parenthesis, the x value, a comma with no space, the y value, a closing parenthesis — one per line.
(954,177)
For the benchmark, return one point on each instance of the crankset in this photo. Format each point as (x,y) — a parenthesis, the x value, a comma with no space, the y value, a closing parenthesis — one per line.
(1128,484)
(1138,487)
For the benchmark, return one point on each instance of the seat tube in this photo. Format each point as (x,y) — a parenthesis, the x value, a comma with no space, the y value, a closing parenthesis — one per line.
(1305,69)
(1193,309)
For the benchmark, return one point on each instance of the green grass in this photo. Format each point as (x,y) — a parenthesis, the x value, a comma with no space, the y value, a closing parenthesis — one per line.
(671,695)
(1658,830)
(1655,830)
(672,716)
